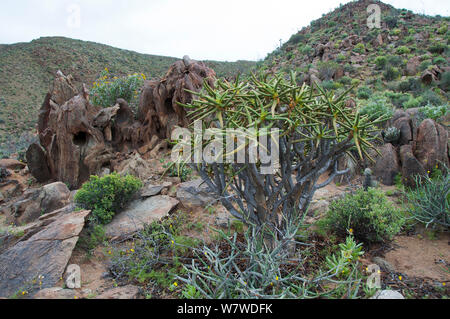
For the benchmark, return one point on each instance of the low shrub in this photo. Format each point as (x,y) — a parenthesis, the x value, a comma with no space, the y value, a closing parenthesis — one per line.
(391,73)
(364,92)
(359,48)
(106,90)
(430,200)
(403,50)
(380,62)
(107,195)
(435,112)
(369,216)
(377,106)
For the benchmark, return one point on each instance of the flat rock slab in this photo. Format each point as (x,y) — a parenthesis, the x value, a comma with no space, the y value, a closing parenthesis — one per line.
(44,254)
(195,193)
(153,190)
(126,292)
(138,214)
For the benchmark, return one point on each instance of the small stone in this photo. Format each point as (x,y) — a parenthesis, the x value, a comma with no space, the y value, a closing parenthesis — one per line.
(384,265)
(388,294)
(126,292)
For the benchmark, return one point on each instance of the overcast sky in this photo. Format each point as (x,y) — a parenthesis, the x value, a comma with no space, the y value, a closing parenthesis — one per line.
(225,30)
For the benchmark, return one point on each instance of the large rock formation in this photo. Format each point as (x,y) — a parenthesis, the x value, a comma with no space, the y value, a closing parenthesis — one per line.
(36,202)
(422,147)
(158,109)
(78,139)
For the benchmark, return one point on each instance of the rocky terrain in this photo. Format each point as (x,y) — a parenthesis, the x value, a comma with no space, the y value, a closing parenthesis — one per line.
(45,232)
(27,70)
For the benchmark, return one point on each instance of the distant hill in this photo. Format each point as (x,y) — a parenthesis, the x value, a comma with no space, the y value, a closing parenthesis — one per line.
(386,64)
(27,70)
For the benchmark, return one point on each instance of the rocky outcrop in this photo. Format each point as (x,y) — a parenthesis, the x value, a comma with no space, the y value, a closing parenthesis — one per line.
(78,139)
(36,202)
(40,260)
(138,214)
(421,148)
(195,193)
(388,165)
(37,163)
(431,75)
(128,292)
(158,109)
(411,167)
(431,146)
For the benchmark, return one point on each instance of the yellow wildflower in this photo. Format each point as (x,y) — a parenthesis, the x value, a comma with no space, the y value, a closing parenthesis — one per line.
(175,284)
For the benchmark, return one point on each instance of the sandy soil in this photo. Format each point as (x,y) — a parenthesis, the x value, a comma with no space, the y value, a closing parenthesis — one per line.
(418,256)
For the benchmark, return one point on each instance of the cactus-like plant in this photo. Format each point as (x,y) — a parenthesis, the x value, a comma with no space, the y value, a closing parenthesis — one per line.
(391,135)
(316,129)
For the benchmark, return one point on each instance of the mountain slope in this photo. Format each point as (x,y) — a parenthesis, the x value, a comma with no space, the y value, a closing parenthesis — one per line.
(405,63)
(27,70)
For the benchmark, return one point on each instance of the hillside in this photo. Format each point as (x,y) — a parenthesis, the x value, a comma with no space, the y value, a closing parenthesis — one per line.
(27,69)
(405,63)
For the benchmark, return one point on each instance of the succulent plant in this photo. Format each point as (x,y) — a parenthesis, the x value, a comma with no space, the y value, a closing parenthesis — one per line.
(391,135)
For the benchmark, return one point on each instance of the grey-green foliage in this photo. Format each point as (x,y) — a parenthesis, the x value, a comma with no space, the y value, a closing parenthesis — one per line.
(391,135)
(234,269)
(430,201)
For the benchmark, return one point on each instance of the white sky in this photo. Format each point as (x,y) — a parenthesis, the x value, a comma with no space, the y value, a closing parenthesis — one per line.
(225,30)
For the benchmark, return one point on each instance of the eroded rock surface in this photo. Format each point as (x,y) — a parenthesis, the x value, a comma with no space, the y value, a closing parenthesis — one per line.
(78,139)
(45,254)
(138,214)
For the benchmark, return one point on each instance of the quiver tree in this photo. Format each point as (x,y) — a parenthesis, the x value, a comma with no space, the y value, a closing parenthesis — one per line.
(315,130)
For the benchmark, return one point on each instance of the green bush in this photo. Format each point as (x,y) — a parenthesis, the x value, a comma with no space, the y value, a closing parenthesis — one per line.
(369,216)
(364,92)
(403,50)
(391,73)
(377,106)
(445,81)
(435,112)
(380,62)
(431,97)
(437,47)
(359,48)
(440,61)
(430,201)
(107,195)
(424,65)
(106,90)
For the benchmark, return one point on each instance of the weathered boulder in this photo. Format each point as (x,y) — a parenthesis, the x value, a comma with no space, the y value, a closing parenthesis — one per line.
(153,190)
(45,254)
(195,193)
(36,202)
(406,134)
(11,164)
(138,214)
(413,66)
(387,165)
(411,167)
(37,163)
(388,294)
(56,293)
(158,110)
(431,146)
(78,139)
(431,75)
(133,165)
(74,148)
(126,292)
